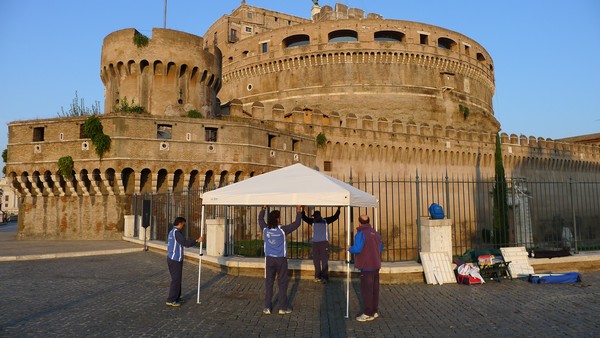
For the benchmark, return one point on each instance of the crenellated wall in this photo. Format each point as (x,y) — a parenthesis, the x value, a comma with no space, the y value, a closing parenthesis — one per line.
(170,76)
(371,145)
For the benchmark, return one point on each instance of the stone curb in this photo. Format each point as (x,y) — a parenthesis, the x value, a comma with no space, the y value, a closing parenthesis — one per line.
(67,254)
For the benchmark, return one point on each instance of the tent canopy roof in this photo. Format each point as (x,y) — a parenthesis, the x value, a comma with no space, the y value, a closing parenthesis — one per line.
(292,185)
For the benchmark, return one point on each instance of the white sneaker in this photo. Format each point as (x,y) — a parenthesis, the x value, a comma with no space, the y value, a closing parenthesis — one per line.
(364,318)
(266,311)
(376,315)
(285,311)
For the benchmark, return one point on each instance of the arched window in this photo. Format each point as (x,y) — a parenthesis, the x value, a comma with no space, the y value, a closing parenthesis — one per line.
(390,36)
(296,40)
(344,35)
(480,57)
(447,43)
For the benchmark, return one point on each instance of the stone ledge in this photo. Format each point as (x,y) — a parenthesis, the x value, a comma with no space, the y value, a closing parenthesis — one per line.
(390,273)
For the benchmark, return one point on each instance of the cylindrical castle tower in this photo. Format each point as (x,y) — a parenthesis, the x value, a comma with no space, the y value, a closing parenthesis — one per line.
(168,75)
(343,61)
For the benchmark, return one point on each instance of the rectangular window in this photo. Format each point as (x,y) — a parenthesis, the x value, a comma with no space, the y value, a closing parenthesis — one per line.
(6,198)
(424,39)
(327,166)
(467,50)
(233,35)
(82,133)
(295,144)
(163,131)
(271,141)
(249,15)
(248,29)
(210,134)
(264,47)
(38,134)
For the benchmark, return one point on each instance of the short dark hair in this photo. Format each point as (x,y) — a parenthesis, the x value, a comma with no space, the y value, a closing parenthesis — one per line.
(273,220)
(178,220)
(363,219)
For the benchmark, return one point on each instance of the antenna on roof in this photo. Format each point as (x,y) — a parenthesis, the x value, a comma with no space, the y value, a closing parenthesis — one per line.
(165,17)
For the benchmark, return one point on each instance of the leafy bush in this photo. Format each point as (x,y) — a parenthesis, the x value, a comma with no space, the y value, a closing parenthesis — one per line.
(195,114)
(65,166)
(321,140)
(125,107)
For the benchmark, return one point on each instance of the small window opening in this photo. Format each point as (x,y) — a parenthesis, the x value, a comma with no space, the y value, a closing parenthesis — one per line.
(163,131)
(248,29)
(327,166)
(210,134)
(467,50)
(38,134)
(271,141)
(296,40)
(343,35)
(424,39)
(264,47)
(295,144)
(389,36)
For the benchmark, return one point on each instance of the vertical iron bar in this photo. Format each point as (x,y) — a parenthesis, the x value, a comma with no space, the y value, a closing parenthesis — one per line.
(575,237)
(418,215)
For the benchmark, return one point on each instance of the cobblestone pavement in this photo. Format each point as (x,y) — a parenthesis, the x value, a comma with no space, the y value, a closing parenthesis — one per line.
(124,296)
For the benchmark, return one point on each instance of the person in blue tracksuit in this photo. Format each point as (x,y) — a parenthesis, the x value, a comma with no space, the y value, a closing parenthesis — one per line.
(320,243)
(367,250)
(276,263)
(175,245)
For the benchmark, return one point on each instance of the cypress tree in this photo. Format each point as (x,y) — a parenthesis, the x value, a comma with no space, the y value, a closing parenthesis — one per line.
(500,193)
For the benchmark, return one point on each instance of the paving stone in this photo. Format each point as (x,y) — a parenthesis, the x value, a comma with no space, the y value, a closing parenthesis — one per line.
(124,296)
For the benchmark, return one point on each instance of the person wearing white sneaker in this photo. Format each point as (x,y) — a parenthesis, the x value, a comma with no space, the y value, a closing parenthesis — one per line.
(176,243)
(367,250)
(276,263)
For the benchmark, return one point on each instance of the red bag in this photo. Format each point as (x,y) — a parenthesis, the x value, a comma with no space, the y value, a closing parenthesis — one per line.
(468,279)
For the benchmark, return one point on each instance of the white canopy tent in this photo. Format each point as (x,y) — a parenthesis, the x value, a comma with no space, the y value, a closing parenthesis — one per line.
(292,185)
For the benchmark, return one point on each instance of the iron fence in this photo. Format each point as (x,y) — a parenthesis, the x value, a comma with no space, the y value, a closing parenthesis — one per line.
(540,215)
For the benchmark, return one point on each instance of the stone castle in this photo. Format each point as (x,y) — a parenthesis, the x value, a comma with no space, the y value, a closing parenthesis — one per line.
(340,90)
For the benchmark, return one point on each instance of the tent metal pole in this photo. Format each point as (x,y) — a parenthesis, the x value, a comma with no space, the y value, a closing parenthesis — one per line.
(200,254)
(348,265)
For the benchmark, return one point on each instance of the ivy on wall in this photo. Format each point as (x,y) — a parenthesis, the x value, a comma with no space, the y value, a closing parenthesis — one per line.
(94,130)
(65,166)
(140,39)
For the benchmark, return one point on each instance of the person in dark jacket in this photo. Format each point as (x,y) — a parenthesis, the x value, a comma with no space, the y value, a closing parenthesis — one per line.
(320,242)
(176,242)
(276,263)
(367,250)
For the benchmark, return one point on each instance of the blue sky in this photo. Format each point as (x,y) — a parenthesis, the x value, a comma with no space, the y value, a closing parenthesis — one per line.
(545,52)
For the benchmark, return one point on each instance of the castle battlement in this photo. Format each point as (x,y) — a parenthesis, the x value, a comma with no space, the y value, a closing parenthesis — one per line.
(169,74)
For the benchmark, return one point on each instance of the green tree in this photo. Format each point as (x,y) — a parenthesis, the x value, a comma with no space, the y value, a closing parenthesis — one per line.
(5,159)
(78,108)
(500,193)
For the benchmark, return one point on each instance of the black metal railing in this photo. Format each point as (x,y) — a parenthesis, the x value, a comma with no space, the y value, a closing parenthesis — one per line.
(541,215)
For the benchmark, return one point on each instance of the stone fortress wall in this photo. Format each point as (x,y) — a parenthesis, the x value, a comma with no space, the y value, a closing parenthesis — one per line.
(274,106)
(165,81)
(403,70)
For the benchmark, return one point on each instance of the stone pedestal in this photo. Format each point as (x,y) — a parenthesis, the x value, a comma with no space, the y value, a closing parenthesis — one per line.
(215,237)
(128,229)
(436,235)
